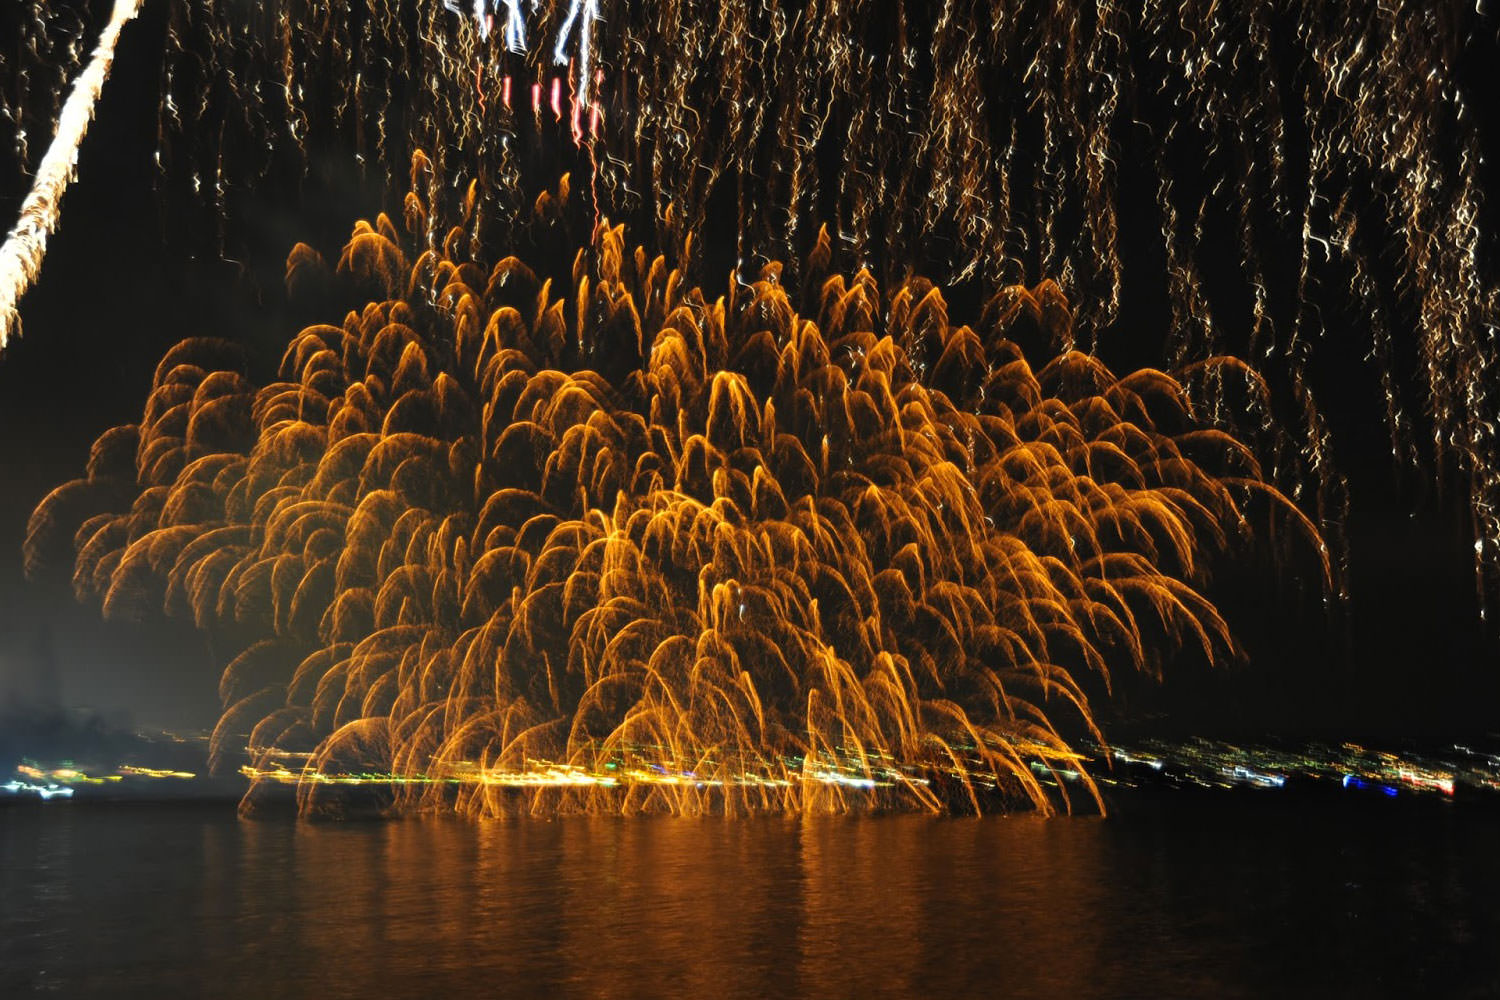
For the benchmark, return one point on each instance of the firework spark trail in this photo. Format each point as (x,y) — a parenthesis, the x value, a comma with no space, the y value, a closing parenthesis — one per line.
(483,16)
(583,14)
(21,256)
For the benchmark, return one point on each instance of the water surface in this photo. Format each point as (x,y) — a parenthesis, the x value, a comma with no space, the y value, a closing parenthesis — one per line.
(1249,897)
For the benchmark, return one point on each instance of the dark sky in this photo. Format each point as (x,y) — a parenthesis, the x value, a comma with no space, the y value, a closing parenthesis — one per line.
(128,275)
(91,327)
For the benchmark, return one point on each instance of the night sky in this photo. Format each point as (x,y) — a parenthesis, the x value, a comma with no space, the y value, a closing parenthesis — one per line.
(128,274)
(131,272)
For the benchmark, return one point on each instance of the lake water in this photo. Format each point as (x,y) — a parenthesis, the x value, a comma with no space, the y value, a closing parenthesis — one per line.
(1248,897)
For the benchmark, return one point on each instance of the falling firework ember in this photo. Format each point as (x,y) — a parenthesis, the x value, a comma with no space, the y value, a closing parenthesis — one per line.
(624,547)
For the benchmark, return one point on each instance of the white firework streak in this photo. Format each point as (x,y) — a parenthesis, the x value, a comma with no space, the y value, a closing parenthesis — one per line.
(581,14)
(21,256)
(590,11)
(515,20)
(515,30)
(515,27)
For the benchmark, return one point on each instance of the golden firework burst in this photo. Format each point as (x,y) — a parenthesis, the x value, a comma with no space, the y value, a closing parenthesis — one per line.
(623,547)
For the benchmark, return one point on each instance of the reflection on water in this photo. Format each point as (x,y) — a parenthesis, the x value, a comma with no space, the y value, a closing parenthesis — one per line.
(1214,900)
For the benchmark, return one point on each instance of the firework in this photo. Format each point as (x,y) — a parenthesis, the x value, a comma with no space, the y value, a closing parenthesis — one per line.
(595,541)
(21,256)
